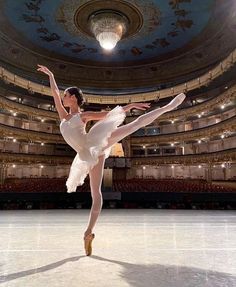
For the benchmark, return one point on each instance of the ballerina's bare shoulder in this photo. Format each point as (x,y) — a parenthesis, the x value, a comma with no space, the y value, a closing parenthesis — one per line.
(69,117)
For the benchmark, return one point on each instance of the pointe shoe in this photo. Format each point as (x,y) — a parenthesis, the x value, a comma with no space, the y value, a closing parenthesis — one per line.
(88,243)
(177,100)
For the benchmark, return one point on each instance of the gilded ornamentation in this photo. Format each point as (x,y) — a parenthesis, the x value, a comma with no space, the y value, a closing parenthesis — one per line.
(34,159)
(188,86)
(210,158)
(214,130)
(209,131)
(29,135)
(193,159)
(7,104)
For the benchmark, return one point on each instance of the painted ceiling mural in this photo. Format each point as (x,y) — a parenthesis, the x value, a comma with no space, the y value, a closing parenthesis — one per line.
(169,25)
(176,40)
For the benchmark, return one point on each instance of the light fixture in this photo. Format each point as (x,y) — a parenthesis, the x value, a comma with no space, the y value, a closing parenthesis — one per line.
(109,21)
(108,27)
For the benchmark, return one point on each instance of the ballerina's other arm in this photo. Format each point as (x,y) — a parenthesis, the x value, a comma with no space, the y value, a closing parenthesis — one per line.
(55,92)
(93,116)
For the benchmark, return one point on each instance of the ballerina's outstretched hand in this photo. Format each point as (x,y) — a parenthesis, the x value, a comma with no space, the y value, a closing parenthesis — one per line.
(44,70)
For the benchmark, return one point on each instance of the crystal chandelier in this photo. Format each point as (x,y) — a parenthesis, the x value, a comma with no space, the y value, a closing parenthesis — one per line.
(108,26)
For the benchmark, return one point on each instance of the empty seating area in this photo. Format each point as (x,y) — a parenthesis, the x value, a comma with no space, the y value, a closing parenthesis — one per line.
(37,185)
(43,185)
(144,185)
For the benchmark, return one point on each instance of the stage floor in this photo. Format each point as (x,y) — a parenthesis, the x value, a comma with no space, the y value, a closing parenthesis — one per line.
(174,248)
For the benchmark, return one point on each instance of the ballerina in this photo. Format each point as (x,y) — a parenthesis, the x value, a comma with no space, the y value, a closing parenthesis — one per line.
(94,147)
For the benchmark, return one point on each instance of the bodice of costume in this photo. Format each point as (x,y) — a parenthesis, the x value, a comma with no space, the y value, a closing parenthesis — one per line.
(73,132)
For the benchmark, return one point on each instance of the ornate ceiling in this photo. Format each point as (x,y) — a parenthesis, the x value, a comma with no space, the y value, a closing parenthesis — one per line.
(169,41)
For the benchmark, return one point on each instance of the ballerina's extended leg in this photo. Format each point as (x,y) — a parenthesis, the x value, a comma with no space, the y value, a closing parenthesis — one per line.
(143,120)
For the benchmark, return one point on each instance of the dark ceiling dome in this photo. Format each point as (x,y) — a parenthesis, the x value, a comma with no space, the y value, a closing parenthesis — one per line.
(168,41)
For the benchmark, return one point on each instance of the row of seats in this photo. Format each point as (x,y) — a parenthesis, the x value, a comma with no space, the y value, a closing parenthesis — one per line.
(142,185)
(38,185)
(132,185)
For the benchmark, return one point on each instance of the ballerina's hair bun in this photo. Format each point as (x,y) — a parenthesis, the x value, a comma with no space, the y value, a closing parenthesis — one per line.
(77,93)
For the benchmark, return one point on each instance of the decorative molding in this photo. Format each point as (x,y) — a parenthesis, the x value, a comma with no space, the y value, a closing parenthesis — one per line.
(29,135)
(206,132)
(185,112)
(34,159)
(219,128)
(7,104)
(203,80)
(207,158)
(191,159)
(208,105)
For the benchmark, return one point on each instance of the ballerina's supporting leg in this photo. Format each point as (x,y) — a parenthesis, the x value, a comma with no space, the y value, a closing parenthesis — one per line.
(95,175)
(143,120)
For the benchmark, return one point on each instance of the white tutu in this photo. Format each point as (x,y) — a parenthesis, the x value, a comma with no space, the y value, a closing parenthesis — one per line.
(90,145)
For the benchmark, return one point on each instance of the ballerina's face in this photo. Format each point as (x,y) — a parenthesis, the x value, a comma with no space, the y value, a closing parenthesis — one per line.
(68,99)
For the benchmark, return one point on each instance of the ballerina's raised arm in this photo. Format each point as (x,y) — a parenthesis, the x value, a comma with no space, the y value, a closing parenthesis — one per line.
(55,92)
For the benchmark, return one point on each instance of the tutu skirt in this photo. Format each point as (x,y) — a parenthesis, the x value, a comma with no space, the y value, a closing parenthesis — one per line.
(95,142)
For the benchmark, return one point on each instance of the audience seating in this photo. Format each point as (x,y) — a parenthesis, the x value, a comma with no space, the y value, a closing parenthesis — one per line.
(131,185)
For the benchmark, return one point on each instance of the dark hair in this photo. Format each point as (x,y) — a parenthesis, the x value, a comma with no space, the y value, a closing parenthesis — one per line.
(78,94)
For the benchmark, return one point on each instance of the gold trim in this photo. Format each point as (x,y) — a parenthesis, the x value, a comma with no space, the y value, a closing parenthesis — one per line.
(34,159)
(223,98)
(208,158)
(29,135)
(204,80)
(191,159)
(185,112)
(7,104)
(221,127)
(206,132)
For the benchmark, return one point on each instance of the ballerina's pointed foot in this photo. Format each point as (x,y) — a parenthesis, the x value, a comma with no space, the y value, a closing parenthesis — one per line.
(181,97)
(88,243)
(177,100)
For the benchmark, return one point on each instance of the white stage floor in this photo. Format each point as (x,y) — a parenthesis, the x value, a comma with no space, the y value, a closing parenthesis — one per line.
(160,248)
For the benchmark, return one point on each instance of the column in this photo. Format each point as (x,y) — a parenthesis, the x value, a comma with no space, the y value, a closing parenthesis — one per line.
(209,173)
(126,146)
(3,172)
